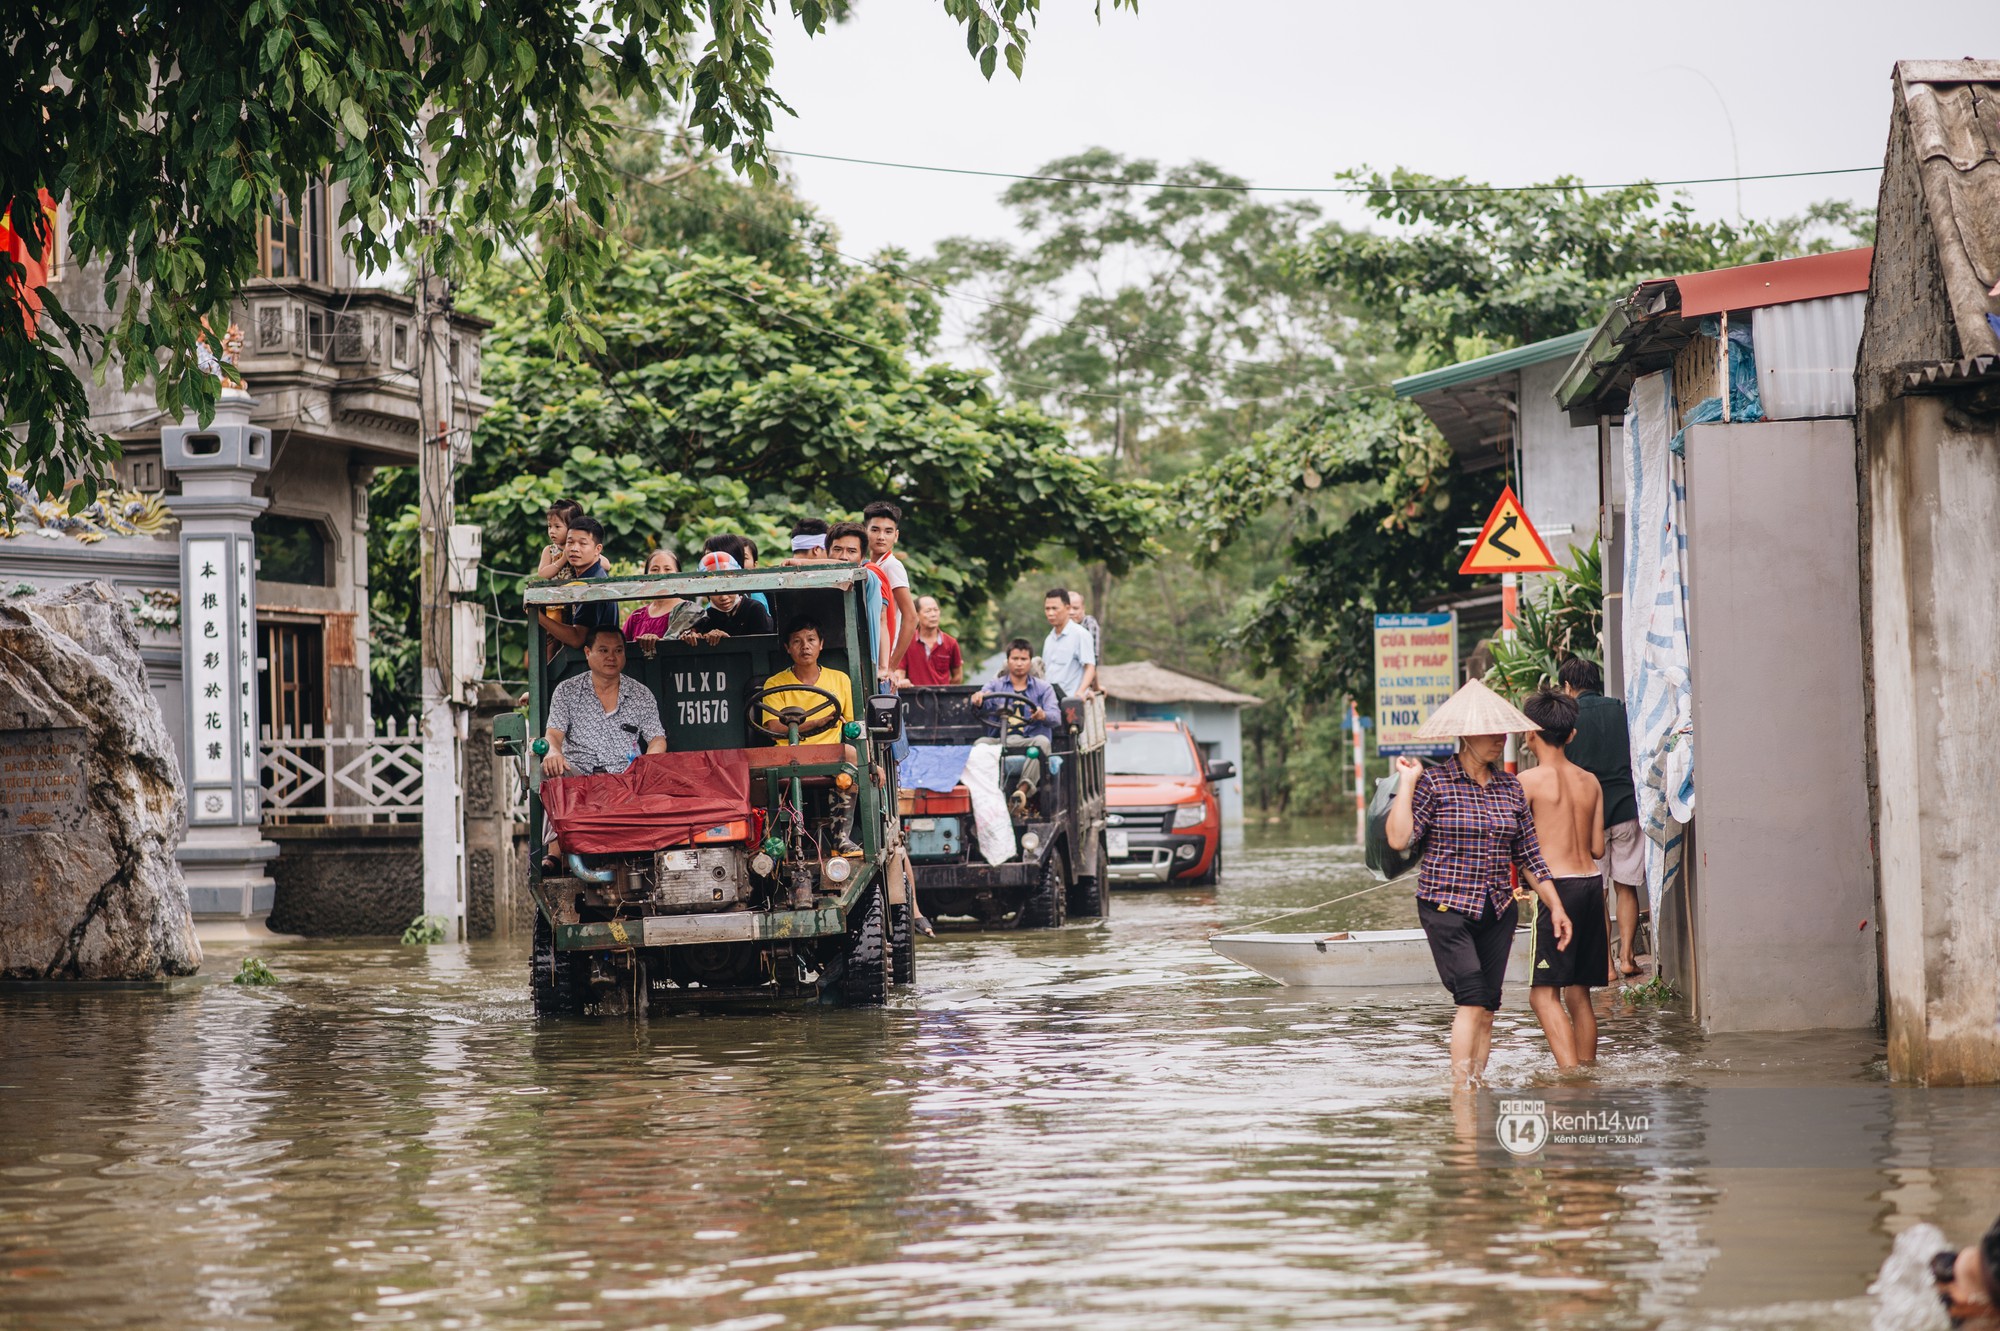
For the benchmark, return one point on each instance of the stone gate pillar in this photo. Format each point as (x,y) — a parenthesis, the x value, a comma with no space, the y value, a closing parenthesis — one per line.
(225,852)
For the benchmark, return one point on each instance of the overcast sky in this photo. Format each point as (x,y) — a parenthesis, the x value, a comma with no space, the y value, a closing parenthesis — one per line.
(1288,92)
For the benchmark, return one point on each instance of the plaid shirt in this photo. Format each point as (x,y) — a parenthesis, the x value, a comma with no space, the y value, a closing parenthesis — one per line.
(1471,833)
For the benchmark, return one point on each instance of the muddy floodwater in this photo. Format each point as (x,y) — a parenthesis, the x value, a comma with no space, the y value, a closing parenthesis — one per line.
(1104,1127)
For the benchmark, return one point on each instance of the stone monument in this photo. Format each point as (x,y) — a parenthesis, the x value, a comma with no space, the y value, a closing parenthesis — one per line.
(91,802)
(225,855)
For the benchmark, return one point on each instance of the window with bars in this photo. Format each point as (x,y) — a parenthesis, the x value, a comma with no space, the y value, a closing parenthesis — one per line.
(293,239)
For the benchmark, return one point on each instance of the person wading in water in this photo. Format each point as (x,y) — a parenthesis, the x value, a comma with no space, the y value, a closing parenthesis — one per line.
(1474,822)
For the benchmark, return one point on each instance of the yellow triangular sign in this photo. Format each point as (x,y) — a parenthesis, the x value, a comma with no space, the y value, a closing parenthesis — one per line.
(1508,543)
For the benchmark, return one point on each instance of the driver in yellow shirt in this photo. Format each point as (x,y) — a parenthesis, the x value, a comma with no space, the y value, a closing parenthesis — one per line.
(803,644)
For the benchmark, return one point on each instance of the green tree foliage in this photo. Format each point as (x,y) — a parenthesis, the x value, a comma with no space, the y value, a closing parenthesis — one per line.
(1465,270)
(168,129)
(1378,501)
(1562,617)
(1375,497)
(728,397)
(1164,311)
(1155,316)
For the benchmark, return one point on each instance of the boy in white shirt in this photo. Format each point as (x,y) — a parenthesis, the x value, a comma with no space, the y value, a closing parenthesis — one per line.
(884,523)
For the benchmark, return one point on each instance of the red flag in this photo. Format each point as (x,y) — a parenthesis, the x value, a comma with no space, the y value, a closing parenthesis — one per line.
(17,249)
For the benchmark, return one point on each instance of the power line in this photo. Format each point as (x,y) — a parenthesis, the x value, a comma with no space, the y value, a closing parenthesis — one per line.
(1313,189)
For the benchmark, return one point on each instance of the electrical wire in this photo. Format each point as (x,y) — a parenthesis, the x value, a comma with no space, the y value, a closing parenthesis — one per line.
(1319,189)
(1276,189)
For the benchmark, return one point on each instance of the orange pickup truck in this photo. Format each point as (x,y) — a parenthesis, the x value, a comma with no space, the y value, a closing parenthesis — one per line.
(1163,815)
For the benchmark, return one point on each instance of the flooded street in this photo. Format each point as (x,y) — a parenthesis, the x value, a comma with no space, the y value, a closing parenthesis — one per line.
(1106,1127)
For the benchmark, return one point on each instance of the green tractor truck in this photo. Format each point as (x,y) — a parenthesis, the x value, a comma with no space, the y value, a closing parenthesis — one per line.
(733,867)
(1041,860)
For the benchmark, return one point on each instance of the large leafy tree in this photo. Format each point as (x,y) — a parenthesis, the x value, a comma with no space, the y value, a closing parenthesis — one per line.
(1146,303)
(168,128)
(725,396)
(1163,310)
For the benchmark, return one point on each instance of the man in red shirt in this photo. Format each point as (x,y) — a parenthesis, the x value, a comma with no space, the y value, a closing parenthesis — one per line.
(933,657)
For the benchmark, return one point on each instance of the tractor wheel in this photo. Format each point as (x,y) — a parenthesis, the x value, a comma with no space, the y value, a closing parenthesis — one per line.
(1088,899)
(902,945)
(1044,908)
(552,978)
(864,979)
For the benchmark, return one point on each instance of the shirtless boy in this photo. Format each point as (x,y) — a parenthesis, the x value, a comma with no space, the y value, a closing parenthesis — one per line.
(1568,805)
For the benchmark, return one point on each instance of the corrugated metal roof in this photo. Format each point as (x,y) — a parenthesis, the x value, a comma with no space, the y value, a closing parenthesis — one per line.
(1757,285)
(1142,681)
(1805,356)
(1487,367)
(1642,332)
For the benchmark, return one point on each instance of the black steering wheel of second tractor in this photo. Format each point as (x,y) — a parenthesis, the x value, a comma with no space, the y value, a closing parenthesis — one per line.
(794,720)
(1016,712)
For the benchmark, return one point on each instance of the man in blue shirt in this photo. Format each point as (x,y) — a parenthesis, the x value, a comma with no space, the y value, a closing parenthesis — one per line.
(1017,682)
(1069,654)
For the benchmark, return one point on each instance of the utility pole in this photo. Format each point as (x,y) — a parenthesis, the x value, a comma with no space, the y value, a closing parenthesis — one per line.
(444,719)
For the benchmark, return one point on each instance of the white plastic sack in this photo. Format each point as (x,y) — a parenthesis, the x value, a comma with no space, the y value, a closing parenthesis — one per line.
(989,809)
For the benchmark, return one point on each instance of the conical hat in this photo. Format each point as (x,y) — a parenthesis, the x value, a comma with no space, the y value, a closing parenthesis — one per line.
(1474,710)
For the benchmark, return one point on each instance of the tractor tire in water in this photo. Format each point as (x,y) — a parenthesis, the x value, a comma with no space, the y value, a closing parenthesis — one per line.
(902,945)
(552,978)
(864,976)
(1045,906)
(1089,898)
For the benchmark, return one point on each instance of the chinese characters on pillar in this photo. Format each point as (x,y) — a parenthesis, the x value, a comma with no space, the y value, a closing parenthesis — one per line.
(210,646)
(246,672)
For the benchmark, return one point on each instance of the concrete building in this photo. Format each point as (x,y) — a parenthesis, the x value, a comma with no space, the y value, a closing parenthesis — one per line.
(330,365)
(1213,713)
(1929,427)
(1723,403)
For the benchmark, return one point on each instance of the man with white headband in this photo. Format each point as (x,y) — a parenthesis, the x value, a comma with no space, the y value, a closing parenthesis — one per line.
(809,541)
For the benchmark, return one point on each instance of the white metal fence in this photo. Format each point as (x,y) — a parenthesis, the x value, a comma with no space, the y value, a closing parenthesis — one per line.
(346,776)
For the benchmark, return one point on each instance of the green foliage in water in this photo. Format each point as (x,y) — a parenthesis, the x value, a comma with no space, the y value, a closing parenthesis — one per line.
(1656,992)
(425,929)
(254,972)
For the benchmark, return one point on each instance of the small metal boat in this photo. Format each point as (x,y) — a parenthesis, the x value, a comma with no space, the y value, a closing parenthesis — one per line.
(1357,959)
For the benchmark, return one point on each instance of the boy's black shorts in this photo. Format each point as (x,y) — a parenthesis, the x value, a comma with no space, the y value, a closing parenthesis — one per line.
(1587,959)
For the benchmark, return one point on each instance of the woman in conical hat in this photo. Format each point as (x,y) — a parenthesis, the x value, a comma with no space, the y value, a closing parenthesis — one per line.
(1474,822)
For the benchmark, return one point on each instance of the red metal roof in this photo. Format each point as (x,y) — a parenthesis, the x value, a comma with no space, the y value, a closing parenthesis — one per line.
(1779,283)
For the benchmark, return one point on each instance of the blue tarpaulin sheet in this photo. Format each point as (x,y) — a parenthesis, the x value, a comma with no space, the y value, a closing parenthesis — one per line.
(933,767)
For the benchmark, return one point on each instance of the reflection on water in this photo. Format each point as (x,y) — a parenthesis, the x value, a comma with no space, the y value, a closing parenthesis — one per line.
(1106,1127)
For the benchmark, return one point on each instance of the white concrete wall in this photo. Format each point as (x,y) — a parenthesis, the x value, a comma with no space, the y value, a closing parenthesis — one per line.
(1558,463)
(1934,489)
(1784,910)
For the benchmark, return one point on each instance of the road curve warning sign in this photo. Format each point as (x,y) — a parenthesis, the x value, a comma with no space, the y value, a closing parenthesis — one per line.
(1508,543)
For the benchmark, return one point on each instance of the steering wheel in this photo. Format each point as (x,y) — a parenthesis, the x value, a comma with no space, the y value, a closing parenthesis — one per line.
(1015,710)
(827,705)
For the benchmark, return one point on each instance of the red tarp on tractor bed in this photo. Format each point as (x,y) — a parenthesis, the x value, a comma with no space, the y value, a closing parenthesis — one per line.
(661,799)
